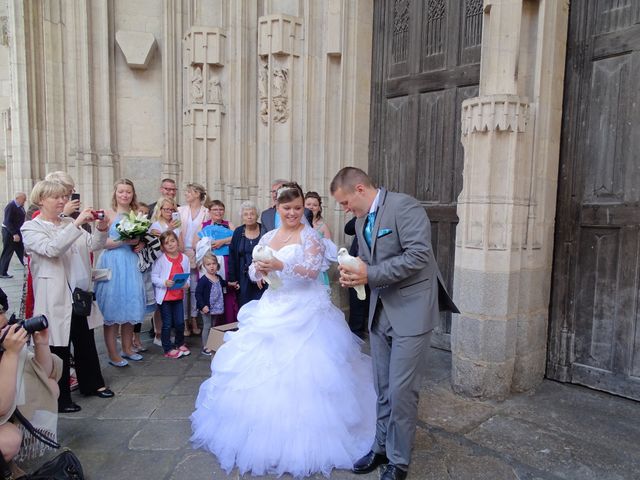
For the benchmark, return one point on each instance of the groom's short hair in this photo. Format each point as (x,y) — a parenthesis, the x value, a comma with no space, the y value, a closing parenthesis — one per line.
(347,179)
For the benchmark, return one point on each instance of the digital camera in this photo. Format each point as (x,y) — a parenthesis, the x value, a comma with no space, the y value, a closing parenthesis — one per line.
(98,214)
(33,324)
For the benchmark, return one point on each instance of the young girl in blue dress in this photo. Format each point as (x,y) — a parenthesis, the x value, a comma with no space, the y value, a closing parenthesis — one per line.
(121,299)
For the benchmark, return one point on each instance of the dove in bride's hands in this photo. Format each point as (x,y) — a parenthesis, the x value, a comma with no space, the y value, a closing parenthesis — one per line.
(263,253)
(347,260)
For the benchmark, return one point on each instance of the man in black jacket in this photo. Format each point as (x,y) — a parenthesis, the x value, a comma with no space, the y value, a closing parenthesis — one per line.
(14,215)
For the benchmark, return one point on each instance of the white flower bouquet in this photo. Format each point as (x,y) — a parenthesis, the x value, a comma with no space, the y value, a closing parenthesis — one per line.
(133,226)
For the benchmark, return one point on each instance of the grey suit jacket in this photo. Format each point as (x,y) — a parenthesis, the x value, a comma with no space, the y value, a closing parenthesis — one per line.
(402,270)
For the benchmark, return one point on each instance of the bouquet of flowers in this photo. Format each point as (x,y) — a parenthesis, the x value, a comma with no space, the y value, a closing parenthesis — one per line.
(133,226)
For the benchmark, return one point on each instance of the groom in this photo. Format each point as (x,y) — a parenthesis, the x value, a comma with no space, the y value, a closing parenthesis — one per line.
(394,234)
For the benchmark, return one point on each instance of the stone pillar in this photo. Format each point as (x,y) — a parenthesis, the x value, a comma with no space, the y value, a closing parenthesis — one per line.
(204,59)
(5,128)
(21,162)
(280,87)
(506,208)
(171,88)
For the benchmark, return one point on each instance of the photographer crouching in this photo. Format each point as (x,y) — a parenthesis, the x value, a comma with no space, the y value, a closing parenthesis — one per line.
(28,380)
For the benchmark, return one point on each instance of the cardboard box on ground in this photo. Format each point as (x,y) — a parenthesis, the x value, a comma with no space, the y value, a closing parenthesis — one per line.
(216,335)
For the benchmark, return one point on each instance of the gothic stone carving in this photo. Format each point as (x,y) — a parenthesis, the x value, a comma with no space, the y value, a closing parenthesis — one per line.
(197,94)
(495,113)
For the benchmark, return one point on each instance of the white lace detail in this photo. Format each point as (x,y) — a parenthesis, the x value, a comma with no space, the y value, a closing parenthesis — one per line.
(302,261)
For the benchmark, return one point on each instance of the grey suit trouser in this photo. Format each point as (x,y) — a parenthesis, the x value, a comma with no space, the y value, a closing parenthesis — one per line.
(397,365)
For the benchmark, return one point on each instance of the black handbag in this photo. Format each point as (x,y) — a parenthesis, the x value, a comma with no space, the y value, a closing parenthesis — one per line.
(65,466)
(82,301)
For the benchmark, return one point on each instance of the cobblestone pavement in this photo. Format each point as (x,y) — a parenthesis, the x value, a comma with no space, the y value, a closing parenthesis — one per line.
(557,432)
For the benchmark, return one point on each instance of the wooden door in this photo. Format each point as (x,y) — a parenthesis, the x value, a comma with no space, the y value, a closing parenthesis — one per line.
(594,336)
(426,61)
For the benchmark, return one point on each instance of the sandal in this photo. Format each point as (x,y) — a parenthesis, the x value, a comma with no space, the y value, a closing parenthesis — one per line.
(187,332)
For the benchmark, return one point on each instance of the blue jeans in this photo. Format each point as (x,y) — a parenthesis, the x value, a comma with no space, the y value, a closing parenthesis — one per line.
(172,316)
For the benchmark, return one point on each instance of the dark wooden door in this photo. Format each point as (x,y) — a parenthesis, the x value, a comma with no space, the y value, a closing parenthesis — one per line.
(594,335)
(426,61)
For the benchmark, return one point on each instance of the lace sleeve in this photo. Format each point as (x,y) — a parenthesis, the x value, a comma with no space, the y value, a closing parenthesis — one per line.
(254,275)
(313,256)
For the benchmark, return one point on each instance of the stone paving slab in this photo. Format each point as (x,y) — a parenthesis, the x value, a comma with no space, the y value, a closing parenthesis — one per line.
(559,431)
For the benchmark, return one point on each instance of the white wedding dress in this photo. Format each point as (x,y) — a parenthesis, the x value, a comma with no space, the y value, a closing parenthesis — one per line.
(290,391)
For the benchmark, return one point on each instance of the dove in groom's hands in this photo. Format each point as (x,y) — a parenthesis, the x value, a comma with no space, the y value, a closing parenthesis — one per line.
(353,263)
(263,253)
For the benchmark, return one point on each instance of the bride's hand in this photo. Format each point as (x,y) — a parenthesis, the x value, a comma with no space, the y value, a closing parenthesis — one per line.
(271,265)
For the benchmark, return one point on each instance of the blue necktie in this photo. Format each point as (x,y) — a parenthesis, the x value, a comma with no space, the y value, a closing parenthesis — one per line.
(276,220)
(368,227)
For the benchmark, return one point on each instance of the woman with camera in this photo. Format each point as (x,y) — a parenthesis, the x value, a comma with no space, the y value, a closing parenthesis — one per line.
(28,379)
(60,262)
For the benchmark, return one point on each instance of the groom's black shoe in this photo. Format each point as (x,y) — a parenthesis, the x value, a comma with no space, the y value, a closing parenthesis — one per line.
(392,472)
(369,462)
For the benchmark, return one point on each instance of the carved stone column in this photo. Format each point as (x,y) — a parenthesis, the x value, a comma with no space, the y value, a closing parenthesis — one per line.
(204,106)
(279,86)
(504,241)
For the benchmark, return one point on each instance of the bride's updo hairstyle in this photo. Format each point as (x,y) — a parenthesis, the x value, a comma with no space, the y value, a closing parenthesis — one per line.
(289,192)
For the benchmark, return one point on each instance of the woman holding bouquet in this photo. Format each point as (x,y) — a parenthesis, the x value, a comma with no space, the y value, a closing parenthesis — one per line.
(122,298)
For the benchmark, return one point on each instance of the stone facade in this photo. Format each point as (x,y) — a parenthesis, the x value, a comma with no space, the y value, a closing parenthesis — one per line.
(229,94)
(233,94)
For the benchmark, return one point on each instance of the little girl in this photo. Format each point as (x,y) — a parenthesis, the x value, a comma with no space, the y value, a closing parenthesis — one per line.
(170,300)
(209,297)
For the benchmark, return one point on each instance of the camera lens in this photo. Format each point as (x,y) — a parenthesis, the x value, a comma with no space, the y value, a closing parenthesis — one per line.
(35,324)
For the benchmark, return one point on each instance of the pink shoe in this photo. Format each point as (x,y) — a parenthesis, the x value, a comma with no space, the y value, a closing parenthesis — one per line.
(175,353)
(73,383)
(184,350)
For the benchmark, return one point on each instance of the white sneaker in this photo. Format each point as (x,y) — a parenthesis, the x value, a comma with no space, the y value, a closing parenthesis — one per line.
(157,341)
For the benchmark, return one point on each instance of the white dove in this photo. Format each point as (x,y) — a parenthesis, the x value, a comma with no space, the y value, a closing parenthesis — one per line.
(264,252)
(345,259)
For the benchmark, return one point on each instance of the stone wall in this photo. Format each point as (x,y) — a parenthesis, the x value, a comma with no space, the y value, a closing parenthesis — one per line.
(229,94)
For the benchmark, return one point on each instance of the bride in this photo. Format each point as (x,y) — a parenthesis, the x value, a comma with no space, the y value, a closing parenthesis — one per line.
(290,391)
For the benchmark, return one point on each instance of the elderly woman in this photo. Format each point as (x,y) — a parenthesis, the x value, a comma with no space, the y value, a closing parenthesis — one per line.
(220,247)
(244,239)
(59,249)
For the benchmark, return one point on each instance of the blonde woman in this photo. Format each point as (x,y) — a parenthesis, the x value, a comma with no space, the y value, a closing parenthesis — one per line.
(192,215)
(122,299)
(166,217)
(59,249)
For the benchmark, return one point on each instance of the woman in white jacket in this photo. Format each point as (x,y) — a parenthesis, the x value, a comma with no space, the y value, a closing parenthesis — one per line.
(60,262)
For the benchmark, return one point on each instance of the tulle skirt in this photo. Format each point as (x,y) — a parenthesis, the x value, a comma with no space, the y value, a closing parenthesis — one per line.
(290,391)
(121,299)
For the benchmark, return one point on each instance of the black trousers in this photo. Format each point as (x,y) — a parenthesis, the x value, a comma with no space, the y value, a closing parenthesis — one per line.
(358,312)
(9,246)
(86,361)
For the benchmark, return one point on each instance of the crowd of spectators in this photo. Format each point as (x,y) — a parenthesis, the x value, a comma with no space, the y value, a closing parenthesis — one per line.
(187,272)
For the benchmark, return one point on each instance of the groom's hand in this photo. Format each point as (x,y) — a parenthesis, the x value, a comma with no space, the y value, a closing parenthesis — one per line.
(352,275)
